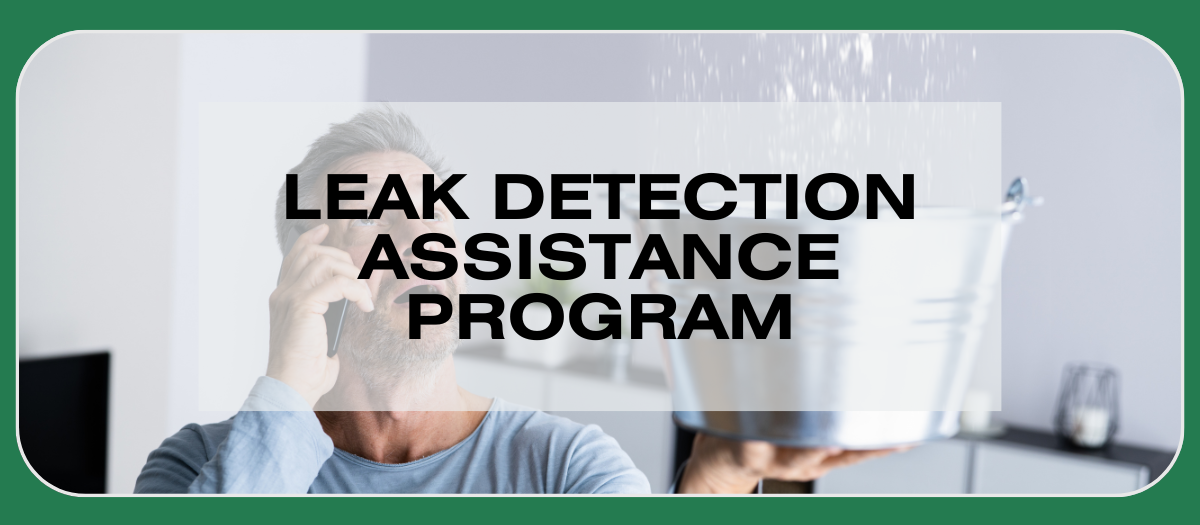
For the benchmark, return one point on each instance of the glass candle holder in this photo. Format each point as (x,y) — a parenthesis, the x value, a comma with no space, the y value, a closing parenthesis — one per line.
(1087,405)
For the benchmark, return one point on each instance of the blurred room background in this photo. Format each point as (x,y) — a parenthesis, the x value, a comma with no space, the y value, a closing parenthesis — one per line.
(108,228)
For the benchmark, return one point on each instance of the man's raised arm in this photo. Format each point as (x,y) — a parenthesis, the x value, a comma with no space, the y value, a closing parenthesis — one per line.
(275,443)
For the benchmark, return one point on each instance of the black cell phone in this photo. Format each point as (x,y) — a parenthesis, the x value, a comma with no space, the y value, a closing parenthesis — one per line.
(335,316)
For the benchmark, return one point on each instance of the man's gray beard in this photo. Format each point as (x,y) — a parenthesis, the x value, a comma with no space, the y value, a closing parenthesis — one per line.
(384,356)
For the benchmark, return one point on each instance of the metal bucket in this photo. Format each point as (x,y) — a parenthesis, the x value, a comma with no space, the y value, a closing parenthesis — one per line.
(878,357)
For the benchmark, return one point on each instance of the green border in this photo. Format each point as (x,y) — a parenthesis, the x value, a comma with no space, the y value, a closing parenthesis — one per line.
(28,26)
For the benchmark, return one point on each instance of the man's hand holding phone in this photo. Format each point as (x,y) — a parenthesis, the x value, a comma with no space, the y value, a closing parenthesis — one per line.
(312,276)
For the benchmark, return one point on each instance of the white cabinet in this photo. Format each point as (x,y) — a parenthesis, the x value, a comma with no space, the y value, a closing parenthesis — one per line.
(575,392)
(1002,468)
(985,467)
(513,383)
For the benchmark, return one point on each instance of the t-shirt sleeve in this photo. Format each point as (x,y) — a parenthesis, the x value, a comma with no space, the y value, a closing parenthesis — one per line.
(275,446)
(597,465)
(173,466)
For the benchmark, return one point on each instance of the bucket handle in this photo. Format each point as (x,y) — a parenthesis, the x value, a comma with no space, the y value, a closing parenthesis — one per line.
(1016,200)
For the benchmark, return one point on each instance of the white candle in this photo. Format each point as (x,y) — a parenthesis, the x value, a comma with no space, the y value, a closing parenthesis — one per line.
(976,417)
(1090,426)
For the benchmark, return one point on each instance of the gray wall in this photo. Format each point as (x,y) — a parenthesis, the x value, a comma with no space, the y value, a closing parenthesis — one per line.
(107,190)
(97,120)
(1093,120)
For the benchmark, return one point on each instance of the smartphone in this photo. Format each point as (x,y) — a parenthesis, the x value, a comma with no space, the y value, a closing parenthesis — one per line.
(335,316)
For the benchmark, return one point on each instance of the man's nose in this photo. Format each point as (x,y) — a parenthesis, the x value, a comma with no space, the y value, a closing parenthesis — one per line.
(409,231)
(405,236)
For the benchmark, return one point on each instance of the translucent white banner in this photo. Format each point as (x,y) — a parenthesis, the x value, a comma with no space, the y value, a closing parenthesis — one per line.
(910,320)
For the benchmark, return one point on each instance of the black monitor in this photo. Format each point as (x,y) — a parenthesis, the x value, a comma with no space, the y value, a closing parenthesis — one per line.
(64,420)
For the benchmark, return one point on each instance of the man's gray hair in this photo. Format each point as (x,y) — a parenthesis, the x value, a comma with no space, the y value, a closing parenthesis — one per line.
(375,130)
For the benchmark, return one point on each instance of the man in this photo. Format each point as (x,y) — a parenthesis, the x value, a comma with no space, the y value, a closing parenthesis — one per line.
(385,414)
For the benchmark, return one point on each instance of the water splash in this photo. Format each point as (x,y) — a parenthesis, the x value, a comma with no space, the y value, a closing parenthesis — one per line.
(843,68)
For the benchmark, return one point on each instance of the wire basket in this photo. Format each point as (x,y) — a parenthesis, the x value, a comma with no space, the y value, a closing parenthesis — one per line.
(1087,413)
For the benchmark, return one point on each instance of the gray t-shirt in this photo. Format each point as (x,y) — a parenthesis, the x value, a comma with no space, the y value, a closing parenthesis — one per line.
(275,444)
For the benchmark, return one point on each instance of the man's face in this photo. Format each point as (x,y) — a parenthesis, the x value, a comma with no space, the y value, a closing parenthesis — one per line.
(380,339)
